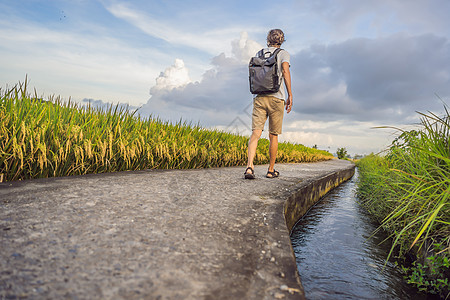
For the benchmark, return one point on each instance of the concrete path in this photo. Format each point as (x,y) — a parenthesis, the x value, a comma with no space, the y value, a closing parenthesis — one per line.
(192,234)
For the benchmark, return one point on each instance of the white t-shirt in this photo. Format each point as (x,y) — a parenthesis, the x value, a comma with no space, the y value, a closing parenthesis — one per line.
(283,56)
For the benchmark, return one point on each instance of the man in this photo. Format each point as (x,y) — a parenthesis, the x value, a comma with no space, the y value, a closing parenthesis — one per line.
(272,106)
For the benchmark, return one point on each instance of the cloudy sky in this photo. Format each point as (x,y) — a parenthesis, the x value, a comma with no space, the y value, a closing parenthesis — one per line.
(355,64)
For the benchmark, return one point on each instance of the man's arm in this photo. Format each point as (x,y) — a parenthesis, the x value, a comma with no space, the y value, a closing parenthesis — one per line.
(287,82)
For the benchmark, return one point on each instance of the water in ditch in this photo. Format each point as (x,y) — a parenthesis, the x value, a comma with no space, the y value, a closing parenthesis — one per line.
(336,258)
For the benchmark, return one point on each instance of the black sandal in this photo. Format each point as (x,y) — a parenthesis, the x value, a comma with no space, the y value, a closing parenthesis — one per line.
(273,174)
(249,175)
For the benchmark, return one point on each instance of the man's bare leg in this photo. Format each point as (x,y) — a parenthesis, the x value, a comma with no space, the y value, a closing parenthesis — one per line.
(273,149)
(252,145)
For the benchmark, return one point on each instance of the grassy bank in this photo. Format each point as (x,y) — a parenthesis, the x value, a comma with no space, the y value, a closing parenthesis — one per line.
(52,138)
(408,191)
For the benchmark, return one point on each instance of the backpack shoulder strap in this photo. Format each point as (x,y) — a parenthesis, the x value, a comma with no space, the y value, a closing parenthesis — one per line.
(261,53)
(275,53)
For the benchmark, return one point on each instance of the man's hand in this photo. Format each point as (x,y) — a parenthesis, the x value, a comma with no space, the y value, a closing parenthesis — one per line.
(289,104)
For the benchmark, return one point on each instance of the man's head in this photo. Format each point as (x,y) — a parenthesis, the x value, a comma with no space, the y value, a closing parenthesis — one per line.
(275,38)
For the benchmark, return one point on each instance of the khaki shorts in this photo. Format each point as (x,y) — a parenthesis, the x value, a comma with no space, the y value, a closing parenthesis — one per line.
(267,106)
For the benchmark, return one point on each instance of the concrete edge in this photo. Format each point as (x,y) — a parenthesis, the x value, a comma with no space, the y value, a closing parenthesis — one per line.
(308,193)
(304,196)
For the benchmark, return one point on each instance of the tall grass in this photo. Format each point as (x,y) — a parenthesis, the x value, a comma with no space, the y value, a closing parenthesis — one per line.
(408,189)
(52,138)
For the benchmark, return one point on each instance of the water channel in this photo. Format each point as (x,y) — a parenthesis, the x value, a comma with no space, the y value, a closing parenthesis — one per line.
(336,258)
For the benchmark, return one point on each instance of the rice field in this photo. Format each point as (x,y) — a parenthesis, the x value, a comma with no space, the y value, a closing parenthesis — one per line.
(40,139)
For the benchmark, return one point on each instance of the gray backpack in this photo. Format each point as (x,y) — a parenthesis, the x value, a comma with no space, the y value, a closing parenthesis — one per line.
(263,73)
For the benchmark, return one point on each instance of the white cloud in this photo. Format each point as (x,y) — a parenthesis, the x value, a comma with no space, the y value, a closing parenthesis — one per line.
(211,40)
(174,76)
(356,137)
(77,65)
(340,20)
(244,48)
(221,88)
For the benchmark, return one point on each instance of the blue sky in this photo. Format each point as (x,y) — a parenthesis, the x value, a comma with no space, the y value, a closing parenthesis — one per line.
(355,64)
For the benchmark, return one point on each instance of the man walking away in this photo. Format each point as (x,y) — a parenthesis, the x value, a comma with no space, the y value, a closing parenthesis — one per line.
(271,105)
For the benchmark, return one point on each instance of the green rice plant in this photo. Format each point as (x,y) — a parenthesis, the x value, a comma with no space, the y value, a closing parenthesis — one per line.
(56,138)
